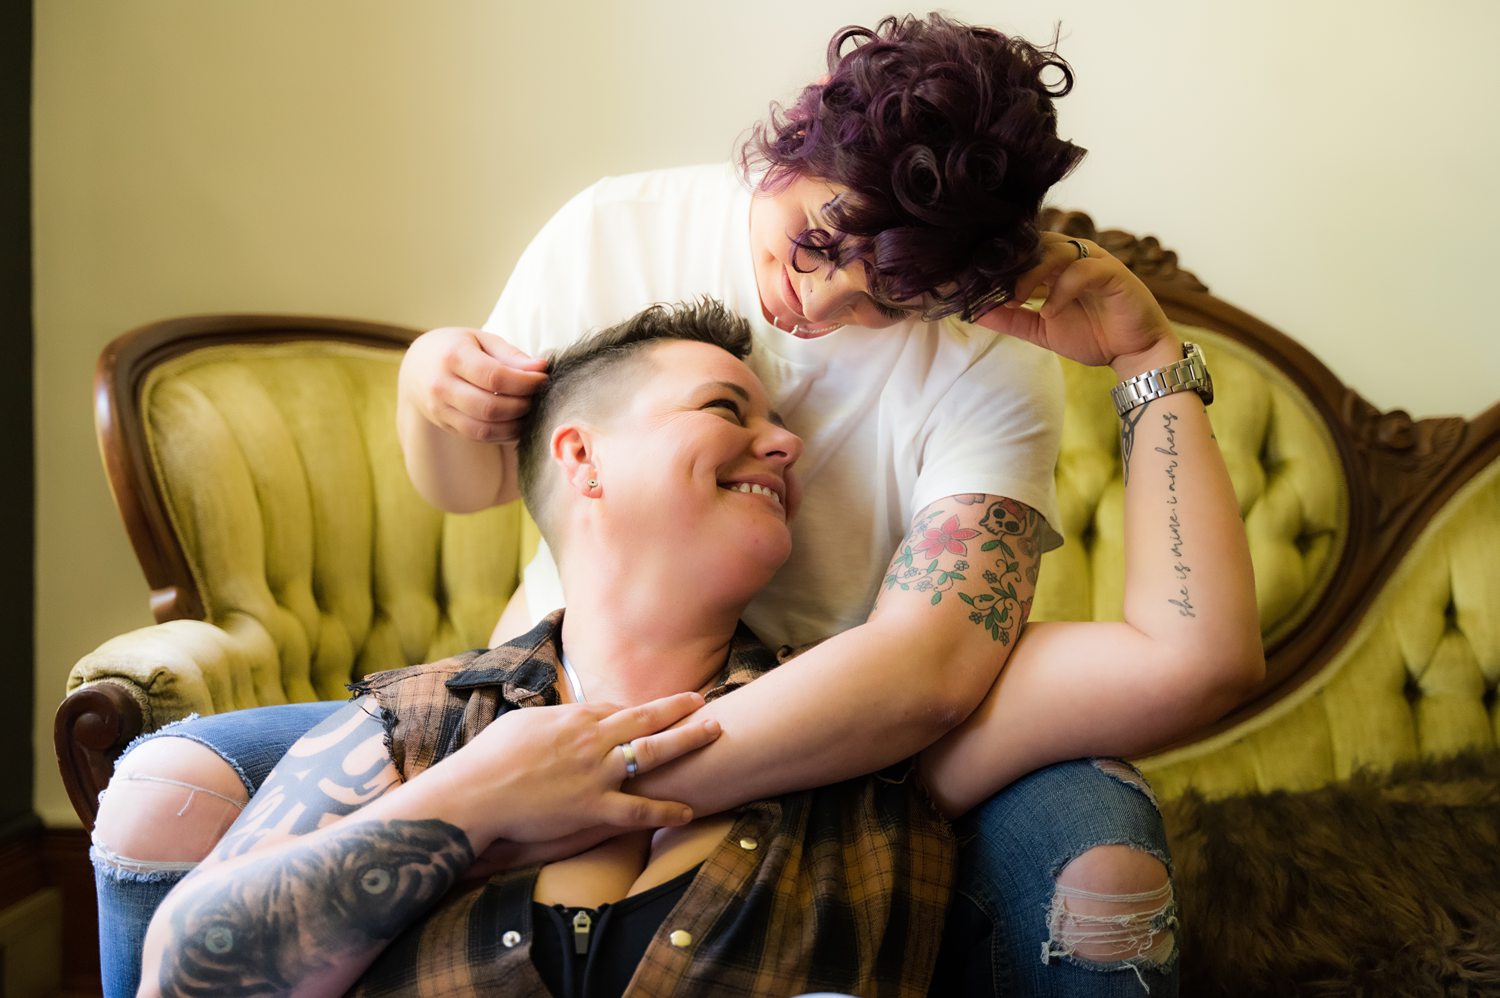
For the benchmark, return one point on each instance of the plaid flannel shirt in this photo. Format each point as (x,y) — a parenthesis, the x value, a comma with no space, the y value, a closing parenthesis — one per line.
(844,888)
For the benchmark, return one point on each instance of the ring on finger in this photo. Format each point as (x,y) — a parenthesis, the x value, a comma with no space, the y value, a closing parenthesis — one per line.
(632,766)
(1083,251)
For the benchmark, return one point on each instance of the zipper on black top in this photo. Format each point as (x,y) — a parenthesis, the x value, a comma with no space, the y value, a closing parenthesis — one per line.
(583,924)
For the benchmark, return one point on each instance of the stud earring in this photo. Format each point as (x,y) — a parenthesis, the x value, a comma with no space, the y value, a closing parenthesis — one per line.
(593,483)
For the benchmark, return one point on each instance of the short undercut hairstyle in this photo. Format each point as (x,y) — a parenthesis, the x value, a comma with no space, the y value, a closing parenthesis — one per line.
(595,376)
(945,136)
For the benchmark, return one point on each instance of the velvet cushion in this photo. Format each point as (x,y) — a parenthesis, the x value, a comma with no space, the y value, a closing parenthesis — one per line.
(319,563)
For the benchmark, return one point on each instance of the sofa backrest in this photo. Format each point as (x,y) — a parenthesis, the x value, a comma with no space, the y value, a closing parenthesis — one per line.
(287,514)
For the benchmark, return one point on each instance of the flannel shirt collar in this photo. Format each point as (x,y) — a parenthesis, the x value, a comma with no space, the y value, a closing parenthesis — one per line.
(528,667)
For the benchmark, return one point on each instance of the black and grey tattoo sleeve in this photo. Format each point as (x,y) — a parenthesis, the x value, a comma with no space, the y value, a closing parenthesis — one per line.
(335,769)
(308,905)
(301,912)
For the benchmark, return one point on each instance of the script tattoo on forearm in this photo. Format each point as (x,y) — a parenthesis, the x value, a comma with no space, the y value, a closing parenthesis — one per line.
(936,557)
(1184,600)
(272,924)
(334,770)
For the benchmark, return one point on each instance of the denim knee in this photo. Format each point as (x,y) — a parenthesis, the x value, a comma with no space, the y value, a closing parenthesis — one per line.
(1012,930)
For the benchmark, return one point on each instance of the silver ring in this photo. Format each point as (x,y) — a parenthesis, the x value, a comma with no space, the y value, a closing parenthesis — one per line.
(631,766)
(1083,251)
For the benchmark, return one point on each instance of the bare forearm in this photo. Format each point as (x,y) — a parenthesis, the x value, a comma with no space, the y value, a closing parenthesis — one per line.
(453,472)
(954,598)
(858,702)
(1188,580)
(460,393)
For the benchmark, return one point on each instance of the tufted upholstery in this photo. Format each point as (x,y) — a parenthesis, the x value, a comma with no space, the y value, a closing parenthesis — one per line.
(314,558)
(306,558)
(309,540)
(316,561)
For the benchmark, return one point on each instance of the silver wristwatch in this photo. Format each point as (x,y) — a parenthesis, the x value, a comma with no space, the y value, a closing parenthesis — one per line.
(1190,374)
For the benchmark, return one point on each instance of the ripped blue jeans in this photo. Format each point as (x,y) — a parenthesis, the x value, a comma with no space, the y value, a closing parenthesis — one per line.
(129,890)
(1011,930)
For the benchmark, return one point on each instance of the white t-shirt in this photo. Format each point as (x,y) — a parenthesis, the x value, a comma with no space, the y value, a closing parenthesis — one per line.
(893,419)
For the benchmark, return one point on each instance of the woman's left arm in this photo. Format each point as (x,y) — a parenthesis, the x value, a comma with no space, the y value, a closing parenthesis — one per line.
(1189,648)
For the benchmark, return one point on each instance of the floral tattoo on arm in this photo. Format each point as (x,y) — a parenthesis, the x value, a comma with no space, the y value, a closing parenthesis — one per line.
(991,567)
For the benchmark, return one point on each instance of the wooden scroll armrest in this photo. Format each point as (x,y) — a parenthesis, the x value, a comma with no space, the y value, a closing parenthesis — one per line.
(139,681)
(94,723)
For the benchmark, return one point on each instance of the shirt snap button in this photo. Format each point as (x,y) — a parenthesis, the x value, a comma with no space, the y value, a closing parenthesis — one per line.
(681,939)
(749,844)
(511,938)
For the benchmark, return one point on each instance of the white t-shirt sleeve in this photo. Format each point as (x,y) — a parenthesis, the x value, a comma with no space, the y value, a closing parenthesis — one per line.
(997,430)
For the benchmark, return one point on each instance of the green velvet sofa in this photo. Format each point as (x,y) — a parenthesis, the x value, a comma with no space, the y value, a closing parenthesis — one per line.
(255,464)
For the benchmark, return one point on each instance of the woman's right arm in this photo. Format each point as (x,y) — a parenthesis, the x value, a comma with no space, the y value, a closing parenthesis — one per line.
(460,397)
(337,855)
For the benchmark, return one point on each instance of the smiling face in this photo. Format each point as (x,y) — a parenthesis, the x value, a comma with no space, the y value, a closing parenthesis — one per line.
(696,468)
(822,298)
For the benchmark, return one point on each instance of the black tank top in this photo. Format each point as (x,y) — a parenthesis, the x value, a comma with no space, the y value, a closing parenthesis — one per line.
(593,952)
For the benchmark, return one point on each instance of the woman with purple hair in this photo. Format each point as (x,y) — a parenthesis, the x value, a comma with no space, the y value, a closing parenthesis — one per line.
(880,234)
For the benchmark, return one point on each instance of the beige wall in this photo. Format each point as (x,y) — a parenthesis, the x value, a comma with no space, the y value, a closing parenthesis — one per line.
(1326,166)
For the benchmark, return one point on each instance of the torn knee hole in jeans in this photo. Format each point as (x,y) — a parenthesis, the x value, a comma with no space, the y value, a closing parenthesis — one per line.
(125,829)
(1134,930)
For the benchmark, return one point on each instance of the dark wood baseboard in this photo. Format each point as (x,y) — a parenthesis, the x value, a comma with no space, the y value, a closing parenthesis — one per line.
(65,861)
(58,857)
(21,872)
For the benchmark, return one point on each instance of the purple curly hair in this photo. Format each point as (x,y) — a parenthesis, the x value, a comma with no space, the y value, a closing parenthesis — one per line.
(945,136)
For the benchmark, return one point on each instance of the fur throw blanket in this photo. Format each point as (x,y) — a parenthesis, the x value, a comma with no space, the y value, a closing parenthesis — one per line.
(1385,884)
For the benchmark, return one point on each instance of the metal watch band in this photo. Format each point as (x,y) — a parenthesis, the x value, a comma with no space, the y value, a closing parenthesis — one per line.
(1188,374)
